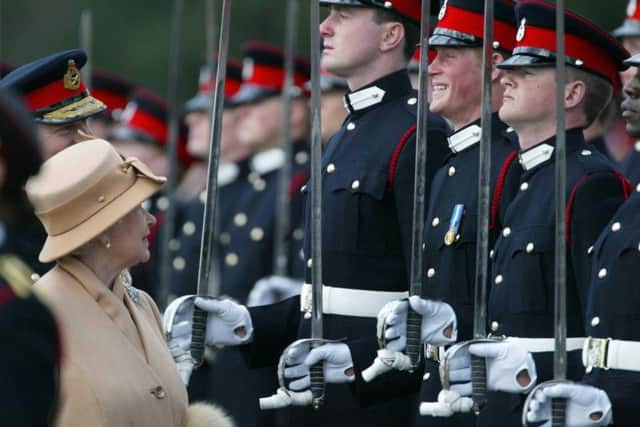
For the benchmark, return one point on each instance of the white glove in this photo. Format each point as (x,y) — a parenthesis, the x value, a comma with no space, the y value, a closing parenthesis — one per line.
(184,362)
(272,289)
(586,405)
(449,402)
(176,322)
(228,323)
(504,361)
(337,364)
(437,317)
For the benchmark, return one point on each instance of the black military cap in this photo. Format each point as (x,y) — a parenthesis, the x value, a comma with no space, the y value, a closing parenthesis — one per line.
(52,88)
(18,144)
(631,25)
(461,23)
(145,119)
(263,73)
(201,101)
(587,47)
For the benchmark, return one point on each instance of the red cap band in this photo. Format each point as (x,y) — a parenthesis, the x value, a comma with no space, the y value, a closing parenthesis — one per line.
(51,94)
(594,57)
(272,77)
(148,123)
(465,21)
(231,87)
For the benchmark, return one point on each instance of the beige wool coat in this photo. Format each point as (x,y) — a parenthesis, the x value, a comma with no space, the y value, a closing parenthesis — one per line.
(116,370)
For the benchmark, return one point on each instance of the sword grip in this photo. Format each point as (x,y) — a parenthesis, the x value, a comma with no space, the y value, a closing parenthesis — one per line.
(478,383)
(414,332)
(558,412)
(198,331)
(316,373)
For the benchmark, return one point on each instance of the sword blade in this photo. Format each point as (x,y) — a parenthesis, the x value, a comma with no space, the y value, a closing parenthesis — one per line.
(560,273)
(317,376)
(207,264)
(478,369)
(414,320)
(283,212)
(86,42)
(172,145)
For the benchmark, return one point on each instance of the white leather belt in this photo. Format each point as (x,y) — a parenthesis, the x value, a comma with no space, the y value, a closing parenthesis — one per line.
(605,353)
(348,302)
(543,345)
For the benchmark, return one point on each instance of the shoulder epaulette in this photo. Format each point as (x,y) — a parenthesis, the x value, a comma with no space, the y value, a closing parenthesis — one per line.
(17,274)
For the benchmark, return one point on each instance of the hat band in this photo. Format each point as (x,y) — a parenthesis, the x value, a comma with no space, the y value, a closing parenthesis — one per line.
(590,56)
(471,24)
(149,124)
(87,204)
(52,94)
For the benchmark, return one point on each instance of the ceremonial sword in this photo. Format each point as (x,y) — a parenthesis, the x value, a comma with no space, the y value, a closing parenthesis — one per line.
(414,320)
(316,372)
(207,264)
(478,368)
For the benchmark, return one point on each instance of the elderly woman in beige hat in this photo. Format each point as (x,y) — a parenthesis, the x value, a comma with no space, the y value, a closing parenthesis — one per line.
(116,369)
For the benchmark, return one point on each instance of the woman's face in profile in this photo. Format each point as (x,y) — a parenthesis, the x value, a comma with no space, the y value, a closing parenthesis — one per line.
(130,237)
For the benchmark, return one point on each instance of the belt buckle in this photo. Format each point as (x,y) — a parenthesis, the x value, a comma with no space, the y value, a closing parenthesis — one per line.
(597,353)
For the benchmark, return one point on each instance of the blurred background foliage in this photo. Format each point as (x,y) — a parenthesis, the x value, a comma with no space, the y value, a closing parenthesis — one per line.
(132,37)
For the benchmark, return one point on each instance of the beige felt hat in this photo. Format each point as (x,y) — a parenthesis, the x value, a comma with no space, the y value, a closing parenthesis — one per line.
(83,190)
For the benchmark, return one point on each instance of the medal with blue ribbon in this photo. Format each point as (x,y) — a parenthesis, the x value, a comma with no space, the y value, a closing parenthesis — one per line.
(454,225)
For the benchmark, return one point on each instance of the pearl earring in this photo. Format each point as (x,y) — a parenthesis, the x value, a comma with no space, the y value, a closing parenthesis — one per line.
(107,244)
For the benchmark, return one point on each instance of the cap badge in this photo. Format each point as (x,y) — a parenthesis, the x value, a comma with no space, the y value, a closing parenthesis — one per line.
(247,68)
(521,30)
(443,10)
(72,76)
(631,8)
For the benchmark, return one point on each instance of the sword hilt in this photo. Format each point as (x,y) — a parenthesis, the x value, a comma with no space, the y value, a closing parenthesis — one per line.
(199,329)
(478,383)
(558,412)
(316,373)
(414,343)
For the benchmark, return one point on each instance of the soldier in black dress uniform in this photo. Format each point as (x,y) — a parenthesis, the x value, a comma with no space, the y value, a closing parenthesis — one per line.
(368,175)
(611,353)
(521,295)
(29,360)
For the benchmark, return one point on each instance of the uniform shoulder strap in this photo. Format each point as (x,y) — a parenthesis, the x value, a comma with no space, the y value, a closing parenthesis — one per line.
(17,274)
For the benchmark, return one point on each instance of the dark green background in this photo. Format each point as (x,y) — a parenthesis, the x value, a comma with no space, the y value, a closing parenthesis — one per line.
(131,37)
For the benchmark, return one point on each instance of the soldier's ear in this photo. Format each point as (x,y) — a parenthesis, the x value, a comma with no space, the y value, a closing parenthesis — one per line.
(497,59)
(392,36)
(575,93)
